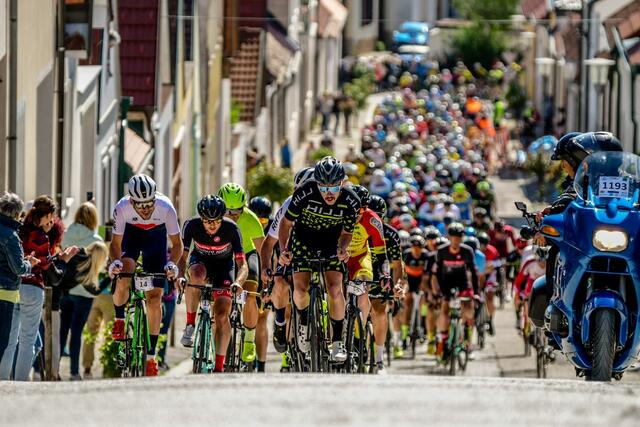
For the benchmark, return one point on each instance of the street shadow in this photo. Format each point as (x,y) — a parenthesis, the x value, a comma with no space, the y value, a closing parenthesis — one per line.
(519,373)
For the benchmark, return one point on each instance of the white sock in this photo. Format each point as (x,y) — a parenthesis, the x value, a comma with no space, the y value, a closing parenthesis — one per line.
(396,337)
(151,356)
(379,353)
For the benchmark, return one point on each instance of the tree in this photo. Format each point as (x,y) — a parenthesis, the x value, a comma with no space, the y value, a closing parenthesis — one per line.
(479,43)
(486,10)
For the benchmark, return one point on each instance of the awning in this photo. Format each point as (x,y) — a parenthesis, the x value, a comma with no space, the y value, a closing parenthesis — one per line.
(137,152)
(626,20)
(535,8)
(332,16)
(280,51)
(634,54)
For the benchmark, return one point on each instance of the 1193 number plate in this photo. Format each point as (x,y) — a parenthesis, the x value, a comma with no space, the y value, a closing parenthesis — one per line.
(613,186)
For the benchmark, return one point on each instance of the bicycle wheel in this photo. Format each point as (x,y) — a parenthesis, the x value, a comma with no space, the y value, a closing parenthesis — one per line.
(315,333)
(453,343)
(350,363)
(201,347)
(140,342)
(415,335)
(526,337)
(373,367)
(361,346)
(387,343)
(297,358)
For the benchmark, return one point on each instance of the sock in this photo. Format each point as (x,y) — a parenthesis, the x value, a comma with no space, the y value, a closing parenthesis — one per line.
(405,331)
(443,336)
(219,363)
(430,336)
(379,353)
(396,337)
(280,316)
(303,315)
(336,327)
(119,309)
(153,342)
(191,318)
(261,365)
(249,334)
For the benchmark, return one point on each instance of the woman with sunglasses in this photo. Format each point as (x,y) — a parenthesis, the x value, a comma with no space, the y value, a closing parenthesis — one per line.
(213,246)
(142,221)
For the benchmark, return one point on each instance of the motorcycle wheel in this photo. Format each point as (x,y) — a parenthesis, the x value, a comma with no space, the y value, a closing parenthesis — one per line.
(603,341)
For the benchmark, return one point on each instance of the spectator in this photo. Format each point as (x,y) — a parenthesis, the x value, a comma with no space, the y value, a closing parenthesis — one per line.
(24,328)
(338,100)
(13,264)
(81,280)
(325,107)
(348,109)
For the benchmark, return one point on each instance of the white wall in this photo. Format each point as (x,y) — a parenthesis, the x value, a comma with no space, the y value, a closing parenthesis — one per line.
(358,36)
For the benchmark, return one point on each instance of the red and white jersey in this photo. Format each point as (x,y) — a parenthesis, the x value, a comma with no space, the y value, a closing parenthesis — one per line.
(163,214)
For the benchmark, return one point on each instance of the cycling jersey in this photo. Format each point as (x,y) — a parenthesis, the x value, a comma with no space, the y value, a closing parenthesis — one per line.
(530,271)
(392,243)
(464,203)
(250,228)
(415,268)
(277,219)
(452,269)
(492,258)
(368,235)
(500,242)
(486,202)
(163,214)
(215,251)
(481,262)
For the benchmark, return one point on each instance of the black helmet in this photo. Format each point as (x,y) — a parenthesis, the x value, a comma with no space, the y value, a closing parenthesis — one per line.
(431,232)
(442,240)
(455,229)
(499,224)
(481,212)
(449,218)
(472,242)
(483,238)
(378,205)
(362,193)
(211,207)
(416,231)
(261,206)
(329,171)
(417,241)
(574,147)
(302,176)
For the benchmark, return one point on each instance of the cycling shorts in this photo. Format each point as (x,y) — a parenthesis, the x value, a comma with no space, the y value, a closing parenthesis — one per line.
(302,251)
(220,273)
(360,266)
(151,244)
(414,283)
(447,288)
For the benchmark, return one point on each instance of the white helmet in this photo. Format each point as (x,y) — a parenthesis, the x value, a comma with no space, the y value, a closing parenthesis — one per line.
(302,177)
(142,188)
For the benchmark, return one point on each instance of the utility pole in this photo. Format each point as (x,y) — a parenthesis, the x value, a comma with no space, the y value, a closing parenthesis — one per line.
(13,94)
(60,58)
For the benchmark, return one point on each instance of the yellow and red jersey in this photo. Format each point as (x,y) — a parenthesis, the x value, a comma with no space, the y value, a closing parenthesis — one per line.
(368,235)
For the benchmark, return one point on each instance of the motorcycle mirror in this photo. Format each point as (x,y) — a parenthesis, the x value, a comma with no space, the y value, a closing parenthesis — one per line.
(522,207)
(526,233)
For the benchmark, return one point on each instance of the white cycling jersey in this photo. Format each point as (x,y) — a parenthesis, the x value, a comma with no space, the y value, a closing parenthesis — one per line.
(274,228)
(163,213)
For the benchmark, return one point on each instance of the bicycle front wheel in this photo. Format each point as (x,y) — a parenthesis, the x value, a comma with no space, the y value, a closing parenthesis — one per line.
(316,334)
(140,345)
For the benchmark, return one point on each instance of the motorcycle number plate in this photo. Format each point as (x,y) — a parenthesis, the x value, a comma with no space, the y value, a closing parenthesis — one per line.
(144,284)
(613,186)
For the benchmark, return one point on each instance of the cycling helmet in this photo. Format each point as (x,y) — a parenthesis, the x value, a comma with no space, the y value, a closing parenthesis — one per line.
(417,241)
(483,186)
(472,242)
(142,188)
(449,218)
(480,212)
(302,176)
(378,205)
(455,229)
(329,171)
(442,241)
(470,231)
(483,238)
(404,238)
(431,233)
(261,206)
(459,188)
(362,193)
(233,195)
(211,207)
(417,231)
(406,220)
(498,224)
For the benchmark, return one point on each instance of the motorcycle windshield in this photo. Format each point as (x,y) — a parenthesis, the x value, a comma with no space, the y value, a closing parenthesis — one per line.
(609,176)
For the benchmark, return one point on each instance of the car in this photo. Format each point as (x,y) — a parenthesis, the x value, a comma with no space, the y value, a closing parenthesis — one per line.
(412,33)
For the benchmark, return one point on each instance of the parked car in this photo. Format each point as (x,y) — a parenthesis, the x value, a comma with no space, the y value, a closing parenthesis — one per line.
(413,33)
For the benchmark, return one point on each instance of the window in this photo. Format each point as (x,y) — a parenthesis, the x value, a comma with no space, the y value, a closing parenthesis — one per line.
(366,12)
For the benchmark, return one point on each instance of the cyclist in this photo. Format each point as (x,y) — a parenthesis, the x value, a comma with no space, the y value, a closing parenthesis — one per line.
(280,291)
(431,235)
(480,221)
(368,260)
(485,198)
(252,234)
(452,270)
(415,259)
(394,255)
(530,271)
(493,262)
(216,245)
(142,221)
(321,218)
(261,206)
(463,200)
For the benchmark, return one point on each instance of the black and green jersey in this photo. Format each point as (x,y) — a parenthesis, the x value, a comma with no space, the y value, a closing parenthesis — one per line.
(392,242)
(318,223)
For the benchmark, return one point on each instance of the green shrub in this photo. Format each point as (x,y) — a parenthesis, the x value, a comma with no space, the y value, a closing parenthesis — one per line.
(479,43)
(270,181)
(109,354)
(321,153)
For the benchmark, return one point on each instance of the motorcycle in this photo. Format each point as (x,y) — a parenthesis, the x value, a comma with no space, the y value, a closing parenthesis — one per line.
(590,311)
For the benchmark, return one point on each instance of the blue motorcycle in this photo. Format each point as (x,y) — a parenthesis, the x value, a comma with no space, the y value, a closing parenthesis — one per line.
(590,311)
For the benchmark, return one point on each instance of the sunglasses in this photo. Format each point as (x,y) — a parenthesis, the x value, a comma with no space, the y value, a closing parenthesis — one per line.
(329,188)
(144,205)
(211,221)
(235,211)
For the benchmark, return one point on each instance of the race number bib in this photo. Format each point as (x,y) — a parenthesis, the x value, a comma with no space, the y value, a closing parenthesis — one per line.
(613,186)
(144,284)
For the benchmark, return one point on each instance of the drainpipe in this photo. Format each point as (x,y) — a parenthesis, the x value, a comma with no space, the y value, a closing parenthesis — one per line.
(633,73)
(13,93)
(60,59)
(585,54)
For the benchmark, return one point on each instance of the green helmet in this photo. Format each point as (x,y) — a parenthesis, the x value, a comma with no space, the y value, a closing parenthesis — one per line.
(483,186)
(233,195)
(459,188)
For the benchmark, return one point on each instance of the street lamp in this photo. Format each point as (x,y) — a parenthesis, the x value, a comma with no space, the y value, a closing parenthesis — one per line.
(545,67)
(599,75)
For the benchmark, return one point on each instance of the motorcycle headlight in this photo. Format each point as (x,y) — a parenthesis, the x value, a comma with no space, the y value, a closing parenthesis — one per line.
(610,240)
